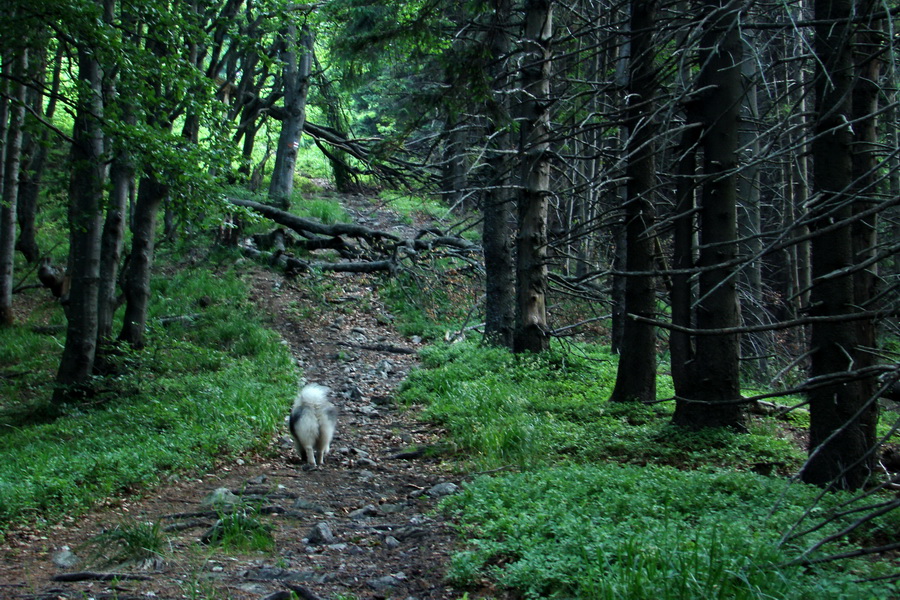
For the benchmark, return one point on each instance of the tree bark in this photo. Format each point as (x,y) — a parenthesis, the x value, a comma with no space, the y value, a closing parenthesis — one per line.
(136,280)
(532,330)
(12,157)
(755,347)
(714,389)
(499,219)
(296,58)
(636,373)
(35,147)
(842,415)
(85,197)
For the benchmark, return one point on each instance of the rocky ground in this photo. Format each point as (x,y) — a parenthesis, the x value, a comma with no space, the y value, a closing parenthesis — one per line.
(362,527)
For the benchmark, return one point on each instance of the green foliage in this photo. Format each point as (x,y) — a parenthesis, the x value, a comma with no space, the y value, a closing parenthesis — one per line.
(205,387)
(533,410)
(655,533)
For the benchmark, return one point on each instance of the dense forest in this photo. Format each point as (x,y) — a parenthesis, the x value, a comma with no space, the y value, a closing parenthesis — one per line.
(707,187)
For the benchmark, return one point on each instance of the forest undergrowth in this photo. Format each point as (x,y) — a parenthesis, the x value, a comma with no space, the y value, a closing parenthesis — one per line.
(578,497)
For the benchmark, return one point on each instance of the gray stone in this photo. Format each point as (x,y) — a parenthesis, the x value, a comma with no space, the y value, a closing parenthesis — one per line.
(386,583)
(220,497)
(65,558)
(368,510)
(320,535)
(302,504)
(443,489)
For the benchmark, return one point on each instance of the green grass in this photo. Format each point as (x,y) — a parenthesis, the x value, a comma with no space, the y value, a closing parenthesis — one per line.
(410,206)
(206,387)
(627,532)
(128,541)
(432,303)
(610,501)
(528,410)
(243,530)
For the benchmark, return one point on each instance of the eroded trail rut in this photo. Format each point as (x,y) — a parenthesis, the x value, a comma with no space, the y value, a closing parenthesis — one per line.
(362,527)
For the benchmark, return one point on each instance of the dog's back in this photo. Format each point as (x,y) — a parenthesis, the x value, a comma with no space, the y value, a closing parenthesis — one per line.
(312,423)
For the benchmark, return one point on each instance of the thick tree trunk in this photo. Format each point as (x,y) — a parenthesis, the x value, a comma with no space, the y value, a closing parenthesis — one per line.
(499,219)
(12,157)
(636,373)
(296,58)
(714,392)
(838,436)
(85,198)
(532,331)
(842,415)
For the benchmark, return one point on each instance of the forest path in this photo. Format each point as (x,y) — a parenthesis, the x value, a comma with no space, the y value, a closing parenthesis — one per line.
(387,541)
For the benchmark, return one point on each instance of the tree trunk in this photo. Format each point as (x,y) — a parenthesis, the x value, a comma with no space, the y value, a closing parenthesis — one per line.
(714,391)
(12,156)
(497,233)
(296,58)
(756,346)
(85,197)
(636,373)
(136,280)
(681,346)
(35,148)
(112,241)
(531,332)
(839,440)
(842,415)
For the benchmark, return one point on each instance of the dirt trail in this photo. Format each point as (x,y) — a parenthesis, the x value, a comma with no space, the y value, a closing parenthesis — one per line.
(376,501)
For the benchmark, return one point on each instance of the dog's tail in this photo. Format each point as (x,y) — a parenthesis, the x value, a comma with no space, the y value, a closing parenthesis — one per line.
(312,393)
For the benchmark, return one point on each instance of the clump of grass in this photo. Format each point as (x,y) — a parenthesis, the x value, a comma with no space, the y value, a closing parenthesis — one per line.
(648,532)
(327,211)
(241,530)
(409,206)
(127,542)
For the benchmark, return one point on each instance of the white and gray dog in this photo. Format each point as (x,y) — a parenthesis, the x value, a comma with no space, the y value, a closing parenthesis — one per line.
(312,423)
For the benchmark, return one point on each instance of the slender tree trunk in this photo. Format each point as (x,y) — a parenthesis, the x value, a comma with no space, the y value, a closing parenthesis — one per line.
(85,198)
(636,374)
(531,333)
(35,148)
(136,280)
(754,346)
(12,157)
(334,118)
(296,58)
(681,346)
(840,443)
(497,233)
(112,240)
(714,391)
